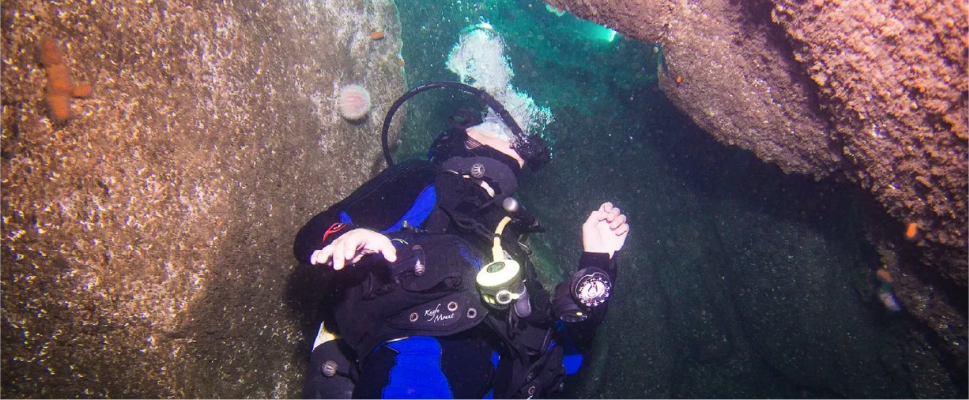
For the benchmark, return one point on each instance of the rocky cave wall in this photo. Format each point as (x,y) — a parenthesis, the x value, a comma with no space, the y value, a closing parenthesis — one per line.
(871,92)
(147,238)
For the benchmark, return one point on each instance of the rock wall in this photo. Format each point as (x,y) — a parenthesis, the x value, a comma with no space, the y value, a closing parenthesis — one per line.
(723,66)
(893,78)
(147,238)
(871,92)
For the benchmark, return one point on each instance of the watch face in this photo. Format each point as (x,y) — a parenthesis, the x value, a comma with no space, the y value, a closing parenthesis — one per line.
(593,289)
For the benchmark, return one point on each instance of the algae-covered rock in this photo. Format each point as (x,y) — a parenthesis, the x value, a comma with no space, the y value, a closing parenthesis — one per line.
(147,238)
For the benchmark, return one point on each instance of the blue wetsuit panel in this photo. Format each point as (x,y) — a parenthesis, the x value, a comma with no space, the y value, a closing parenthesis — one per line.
(572,359)
(417,374)
(495,358)
(416,215)
(572,363)
(418,212)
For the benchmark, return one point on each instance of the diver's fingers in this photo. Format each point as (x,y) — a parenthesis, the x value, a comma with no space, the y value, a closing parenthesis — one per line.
(355,249)
(338,255)
(595,217)
(372,243)
(384,246)
(622,230)
(613,214)
(615,223)
(322,256)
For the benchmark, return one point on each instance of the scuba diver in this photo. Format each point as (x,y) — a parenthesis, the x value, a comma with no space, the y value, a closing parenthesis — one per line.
(431,293)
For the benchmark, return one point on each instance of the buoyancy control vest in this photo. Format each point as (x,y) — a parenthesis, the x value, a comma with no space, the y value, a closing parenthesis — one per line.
(428,291)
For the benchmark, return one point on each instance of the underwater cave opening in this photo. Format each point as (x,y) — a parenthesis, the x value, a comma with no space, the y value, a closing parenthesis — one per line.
(738,280)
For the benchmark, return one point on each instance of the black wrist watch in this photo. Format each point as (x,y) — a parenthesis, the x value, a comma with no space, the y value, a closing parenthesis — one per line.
(576,300)
(591,287)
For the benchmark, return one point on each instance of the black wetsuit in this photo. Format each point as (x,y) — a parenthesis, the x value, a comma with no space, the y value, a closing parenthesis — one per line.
(469,364)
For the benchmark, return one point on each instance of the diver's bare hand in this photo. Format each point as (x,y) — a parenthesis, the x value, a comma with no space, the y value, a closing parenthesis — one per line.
(352,246)
(605,230)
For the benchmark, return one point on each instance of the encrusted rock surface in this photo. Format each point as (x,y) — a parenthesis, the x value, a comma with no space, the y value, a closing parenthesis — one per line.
(871,92)
(722,65)
(147,240)
(893,77)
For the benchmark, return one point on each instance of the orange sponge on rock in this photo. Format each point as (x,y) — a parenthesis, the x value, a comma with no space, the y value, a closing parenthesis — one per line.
(60,86)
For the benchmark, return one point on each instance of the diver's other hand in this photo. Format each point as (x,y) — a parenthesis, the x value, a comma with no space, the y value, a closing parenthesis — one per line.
(352,246)
(605,230)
